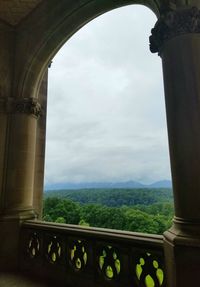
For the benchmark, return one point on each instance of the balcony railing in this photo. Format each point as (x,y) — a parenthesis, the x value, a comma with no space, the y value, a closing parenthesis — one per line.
(71,255)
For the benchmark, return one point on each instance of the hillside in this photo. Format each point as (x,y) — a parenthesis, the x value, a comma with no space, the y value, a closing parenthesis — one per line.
(115,197)
(108,185)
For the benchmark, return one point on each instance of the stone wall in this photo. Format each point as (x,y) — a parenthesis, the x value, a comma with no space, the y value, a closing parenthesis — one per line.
(6,92)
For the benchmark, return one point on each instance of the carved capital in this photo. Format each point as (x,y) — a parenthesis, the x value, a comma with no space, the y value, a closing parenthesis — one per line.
(28,106)
(24,106)
(172,24)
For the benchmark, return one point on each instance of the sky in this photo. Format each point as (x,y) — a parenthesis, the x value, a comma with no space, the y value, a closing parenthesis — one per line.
(106,113)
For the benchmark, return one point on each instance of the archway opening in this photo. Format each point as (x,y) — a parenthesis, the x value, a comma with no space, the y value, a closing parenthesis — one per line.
(106,130)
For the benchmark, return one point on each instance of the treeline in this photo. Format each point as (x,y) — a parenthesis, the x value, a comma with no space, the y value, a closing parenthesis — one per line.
(154,218)
(115,197)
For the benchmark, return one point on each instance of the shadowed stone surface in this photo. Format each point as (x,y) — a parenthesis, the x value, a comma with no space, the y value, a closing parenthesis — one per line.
(13,11)
(18,280)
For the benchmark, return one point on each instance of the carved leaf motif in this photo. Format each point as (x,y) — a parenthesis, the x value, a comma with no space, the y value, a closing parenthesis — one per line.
(28,106)
(172,24)
(54,249)
(78,255)
(148,270)
(109,262)
(33,248)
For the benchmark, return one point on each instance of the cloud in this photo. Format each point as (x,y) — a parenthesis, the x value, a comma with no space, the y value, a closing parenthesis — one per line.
(106,113)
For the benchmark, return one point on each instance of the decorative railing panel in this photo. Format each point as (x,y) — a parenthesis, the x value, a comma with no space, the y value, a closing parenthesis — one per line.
(76,256)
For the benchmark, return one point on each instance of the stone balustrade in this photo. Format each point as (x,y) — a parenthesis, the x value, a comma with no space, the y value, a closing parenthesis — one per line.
(72,255)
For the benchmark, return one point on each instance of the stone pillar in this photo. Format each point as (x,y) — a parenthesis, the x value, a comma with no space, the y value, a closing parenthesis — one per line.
(176,37)
(19,177)
(6,79)
(40,150)
(21,159)
(3,128)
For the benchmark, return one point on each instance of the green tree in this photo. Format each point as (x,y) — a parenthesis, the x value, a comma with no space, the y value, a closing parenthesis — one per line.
(82,222)
(154,218)
(67,209)
(139,221)
(60,220)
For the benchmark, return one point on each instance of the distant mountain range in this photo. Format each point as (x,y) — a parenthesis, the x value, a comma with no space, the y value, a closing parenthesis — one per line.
(126,184)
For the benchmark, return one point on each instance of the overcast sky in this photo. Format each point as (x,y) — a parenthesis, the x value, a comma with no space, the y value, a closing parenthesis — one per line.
(106,111)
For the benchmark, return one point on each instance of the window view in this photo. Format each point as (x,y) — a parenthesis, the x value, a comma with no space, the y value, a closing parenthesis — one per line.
(107,162)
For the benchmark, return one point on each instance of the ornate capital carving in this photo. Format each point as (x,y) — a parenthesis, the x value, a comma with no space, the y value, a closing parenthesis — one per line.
(24,106)
(28,106)
(172,24)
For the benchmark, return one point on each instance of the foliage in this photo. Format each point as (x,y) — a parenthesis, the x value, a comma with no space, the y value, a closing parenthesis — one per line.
(58,209)
(145,217)
(115,197)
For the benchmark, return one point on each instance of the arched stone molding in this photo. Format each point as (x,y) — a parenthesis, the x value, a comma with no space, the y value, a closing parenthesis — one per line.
(42,39)
(40,150)
(36,40)
(37,44)
(178,4)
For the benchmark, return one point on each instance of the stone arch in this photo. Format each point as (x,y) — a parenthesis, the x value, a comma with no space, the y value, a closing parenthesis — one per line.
(37,44)
(56,29)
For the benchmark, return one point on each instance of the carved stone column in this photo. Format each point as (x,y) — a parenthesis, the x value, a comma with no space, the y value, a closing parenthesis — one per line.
(21,158)
(19,175)
(40,150)
(176,37)
(3,126)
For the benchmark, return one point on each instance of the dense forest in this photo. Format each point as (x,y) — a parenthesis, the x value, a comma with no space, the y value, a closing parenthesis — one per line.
(115,197)
(139,210)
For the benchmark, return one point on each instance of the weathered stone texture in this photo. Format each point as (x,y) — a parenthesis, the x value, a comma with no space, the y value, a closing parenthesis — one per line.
(13,11)
(40,149)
